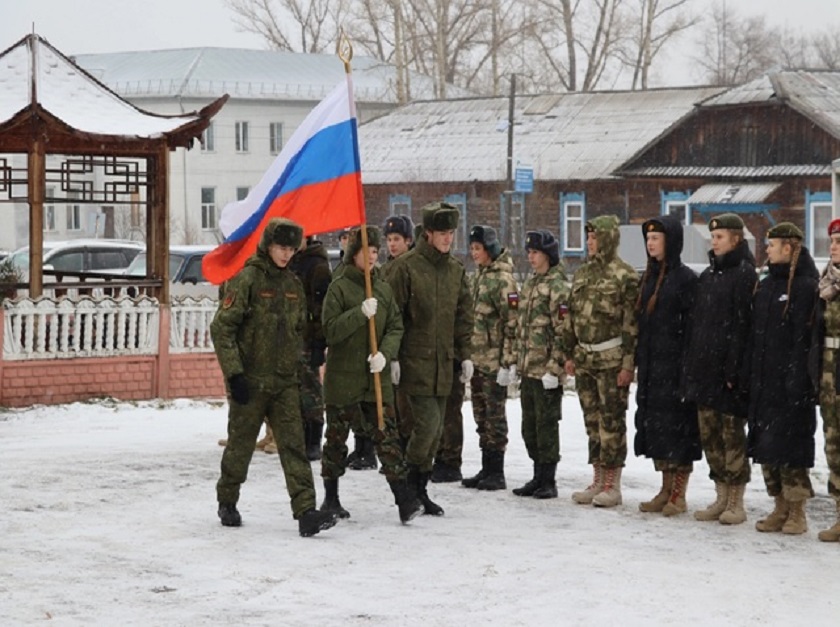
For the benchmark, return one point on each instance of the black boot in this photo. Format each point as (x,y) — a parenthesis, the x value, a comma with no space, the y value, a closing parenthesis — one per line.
(472,482)
(494,478)
(548,485)
(331,503)
(529,488)
(229,515)
(421,480)
(354,454)
(313,433)
(405,495)
(445,473)
(312,521)
(365,454)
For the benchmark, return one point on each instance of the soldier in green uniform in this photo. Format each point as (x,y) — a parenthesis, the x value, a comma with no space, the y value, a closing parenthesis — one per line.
(349,381)
(600,339)
(257,335)
(495,308)
(541,359)
(431,291)
(829,288)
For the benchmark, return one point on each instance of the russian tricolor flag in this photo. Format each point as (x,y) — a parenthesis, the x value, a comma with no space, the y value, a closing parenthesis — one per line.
(315,180)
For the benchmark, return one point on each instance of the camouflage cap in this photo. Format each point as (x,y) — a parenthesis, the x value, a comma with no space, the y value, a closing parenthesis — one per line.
(486,236)
(726,221)
(440,216)
(283,232)
(545,242)
(354,243)
(784,230)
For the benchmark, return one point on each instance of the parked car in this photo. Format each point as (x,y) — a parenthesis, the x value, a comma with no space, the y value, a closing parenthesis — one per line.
(109,256)
(184,264)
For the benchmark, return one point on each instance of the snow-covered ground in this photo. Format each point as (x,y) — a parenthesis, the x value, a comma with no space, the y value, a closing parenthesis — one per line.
(109,518)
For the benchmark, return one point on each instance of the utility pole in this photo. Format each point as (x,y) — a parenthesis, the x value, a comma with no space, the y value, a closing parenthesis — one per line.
(514,221)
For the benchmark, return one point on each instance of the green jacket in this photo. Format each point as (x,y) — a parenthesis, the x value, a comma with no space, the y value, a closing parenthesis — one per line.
(603,303)
(347,379)
(433,297)
(495,303)
(258,327)
(542,309)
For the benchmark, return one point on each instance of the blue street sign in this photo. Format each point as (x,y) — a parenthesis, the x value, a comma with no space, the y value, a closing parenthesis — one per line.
(524,180)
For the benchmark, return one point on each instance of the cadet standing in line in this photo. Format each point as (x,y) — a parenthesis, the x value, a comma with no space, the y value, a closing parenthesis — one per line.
(541,357)
(783,393)
(349,381)
(495,307)
(714,368)
(666,425)
(257,334)
(311,264)
(829,289)
(600,338)
(431,290)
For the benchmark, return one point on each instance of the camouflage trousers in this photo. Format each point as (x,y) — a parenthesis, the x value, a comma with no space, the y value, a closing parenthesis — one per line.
(311,392)
(830,411)
(666,465)
(426,418)
(793,484)
(281,409)
(604,406)
(451,444)
(488,402)
(363,416)
(542,411)
(724,441)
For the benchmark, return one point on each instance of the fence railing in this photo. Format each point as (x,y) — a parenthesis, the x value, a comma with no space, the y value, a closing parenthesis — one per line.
(47,328)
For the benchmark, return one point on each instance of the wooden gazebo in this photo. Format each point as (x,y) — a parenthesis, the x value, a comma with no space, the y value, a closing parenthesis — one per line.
(83,139)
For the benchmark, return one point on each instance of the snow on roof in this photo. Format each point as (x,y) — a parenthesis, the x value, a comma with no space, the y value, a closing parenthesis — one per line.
(574,136)
(70,94)
(253,74)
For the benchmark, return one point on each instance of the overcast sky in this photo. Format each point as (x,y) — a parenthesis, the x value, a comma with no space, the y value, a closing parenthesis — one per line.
(84,26)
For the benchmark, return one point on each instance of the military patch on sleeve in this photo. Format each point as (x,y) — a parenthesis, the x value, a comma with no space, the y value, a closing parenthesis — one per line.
(268,293)
(230,298)
(291,295)
(562,310)
(513,300)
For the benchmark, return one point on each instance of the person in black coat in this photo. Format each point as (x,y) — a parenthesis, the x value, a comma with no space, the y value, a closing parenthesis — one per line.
(782,410)
(714,377)
(666,425)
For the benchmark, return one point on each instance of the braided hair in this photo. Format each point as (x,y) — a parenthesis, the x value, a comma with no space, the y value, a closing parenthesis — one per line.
(796,250)
(651,304)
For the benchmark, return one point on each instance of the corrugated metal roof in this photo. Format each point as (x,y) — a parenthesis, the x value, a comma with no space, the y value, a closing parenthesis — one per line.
(767,171)
(252,74)
(576,136)
(732,193)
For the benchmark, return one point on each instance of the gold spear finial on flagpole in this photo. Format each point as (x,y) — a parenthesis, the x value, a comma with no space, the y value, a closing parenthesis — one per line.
(344,49)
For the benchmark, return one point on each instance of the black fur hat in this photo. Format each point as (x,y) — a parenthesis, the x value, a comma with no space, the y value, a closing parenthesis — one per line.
(544,241)
(401,225)
(486,236)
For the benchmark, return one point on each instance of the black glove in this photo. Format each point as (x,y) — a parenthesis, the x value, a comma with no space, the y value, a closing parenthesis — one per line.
(316,358)
(239,389)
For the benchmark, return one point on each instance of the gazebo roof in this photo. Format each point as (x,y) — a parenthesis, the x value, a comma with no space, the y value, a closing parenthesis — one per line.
(38,81)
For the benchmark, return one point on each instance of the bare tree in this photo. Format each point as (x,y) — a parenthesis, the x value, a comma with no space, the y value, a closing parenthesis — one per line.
(317,22)
(827,49)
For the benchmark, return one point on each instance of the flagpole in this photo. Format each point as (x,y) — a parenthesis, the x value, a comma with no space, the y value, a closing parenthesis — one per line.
(345,53)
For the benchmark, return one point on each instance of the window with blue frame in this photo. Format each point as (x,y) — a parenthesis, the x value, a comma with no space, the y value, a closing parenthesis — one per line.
(817,219)
(675,204)
(399,205)
(459,201)
(572,221)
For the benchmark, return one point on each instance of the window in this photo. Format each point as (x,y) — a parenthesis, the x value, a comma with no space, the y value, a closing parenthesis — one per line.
(818,218)
(675,204)
(106,260)
(572,219)
(399,205)
(208,139)
(459,201)
(275,137)
(208,208)
(241,137)
(49,210)
(68,261)
(242,192)
(193,273)
(74,213)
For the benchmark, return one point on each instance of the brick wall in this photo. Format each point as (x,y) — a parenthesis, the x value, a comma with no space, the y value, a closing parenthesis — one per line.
(195,375)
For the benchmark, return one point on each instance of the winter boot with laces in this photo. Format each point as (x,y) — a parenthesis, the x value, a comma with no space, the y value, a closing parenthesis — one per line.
(610,495)
(713,511)
(495,476)
(658,502)
(229,515)
(832,534)
(676,500)
(585,496)
(735,513)
(331,503)
(312,521)
(775,520)
(796,523)
(531,486)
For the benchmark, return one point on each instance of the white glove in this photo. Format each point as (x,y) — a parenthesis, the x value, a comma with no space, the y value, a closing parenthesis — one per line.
(550,381)
(513,374)
(506,376)
(395,372)
(369,307)
(467,370)
(377,362)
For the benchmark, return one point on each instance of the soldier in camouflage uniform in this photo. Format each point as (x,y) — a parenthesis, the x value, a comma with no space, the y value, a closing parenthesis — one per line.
(431,290)
(541,358)
(829,288)
(257,335)
(349,380)
(312,266)
(600,339)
